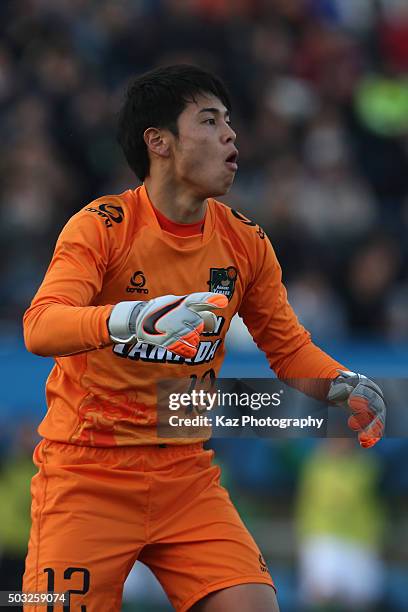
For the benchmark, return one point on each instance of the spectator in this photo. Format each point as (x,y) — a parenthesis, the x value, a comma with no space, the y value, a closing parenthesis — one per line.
(340,533)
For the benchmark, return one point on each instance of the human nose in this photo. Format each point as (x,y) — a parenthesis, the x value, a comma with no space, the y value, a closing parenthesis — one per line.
(228,134)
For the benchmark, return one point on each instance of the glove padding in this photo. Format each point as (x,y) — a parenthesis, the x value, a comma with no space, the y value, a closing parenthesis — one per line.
(365,400)
(172,321)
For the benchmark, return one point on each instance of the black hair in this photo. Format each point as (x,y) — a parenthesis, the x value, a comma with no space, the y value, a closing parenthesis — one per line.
(156,99)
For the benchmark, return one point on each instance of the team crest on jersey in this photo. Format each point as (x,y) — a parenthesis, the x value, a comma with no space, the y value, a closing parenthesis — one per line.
(222,280)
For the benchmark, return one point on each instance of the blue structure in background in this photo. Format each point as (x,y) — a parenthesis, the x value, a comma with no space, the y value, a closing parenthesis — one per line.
(24,374)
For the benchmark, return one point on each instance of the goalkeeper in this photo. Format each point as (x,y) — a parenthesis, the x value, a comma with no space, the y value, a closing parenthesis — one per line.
(142,286)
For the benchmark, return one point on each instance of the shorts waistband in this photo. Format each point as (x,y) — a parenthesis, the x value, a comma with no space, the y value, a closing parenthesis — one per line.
(161,450)
(179,449)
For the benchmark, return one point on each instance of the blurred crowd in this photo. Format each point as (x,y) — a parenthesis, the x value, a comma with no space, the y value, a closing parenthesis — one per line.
(320,100)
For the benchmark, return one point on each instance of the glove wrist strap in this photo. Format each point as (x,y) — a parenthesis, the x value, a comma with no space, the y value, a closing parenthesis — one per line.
(122,321)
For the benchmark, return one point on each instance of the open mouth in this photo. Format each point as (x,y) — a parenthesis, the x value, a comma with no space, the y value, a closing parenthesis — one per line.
(232,160)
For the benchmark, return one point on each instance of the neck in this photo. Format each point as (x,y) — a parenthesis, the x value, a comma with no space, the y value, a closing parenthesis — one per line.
(175,202)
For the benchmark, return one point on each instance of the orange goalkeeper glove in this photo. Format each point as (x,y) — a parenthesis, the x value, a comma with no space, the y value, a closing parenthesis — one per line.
(365,400)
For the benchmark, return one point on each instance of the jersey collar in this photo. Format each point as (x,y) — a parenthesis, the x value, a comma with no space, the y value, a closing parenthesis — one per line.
(151,219)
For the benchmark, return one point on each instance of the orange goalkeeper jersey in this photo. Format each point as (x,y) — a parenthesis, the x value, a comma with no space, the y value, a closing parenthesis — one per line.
(100,394)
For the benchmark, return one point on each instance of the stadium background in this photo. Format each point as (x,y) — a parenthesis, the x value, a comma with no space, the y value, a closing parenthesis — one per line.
(320,94)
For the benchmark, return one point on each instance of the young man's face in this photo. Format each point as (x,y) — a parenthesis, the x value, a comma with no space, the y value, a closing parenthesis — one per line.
(204,154)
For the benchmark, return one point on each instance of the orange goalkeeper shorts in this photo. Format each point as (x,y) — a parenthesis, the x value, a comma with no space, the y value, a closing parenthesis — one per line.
(95,511)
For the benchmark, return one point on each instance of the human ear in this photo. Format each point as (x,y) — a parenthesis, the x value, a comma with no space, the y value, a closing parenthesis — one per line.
(157,142)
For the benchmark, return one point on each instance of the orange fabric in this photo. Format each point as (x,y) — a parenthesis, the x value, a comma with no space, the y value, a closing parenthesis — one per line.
(114,250)
(179,229)
(163,506)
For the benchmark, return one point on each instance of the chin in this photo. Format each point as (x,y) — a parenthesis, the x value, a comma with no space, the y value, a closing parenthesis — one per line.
(218,193)
(220,190)
(215,188)
(212,192)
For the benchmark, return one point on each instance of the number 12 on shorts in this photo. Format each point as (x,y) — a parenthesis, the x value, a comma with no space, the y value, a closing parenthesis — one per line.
(68,574)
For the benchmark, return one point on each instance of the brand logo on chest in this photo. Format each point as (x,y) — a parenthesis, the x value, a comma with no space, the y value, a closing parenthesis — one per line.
(137,283)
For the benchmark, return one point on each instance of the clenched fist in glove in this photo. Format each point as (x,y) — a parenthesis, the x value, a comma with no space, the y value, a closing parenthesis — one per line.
(172,321)
(365,400)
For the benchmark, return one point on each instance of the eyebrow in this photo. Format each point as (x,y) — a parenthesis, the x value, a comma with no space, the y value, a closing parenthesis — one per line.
(216,111)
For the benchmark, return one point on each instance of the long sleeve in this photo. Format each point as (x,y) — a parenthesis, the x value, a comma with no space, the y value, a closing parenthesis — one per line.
(62,319)
(276,329)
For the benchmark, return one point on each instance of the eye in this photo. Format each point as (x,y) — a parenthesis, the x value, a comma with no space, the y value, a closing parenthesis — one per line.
(210,121)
